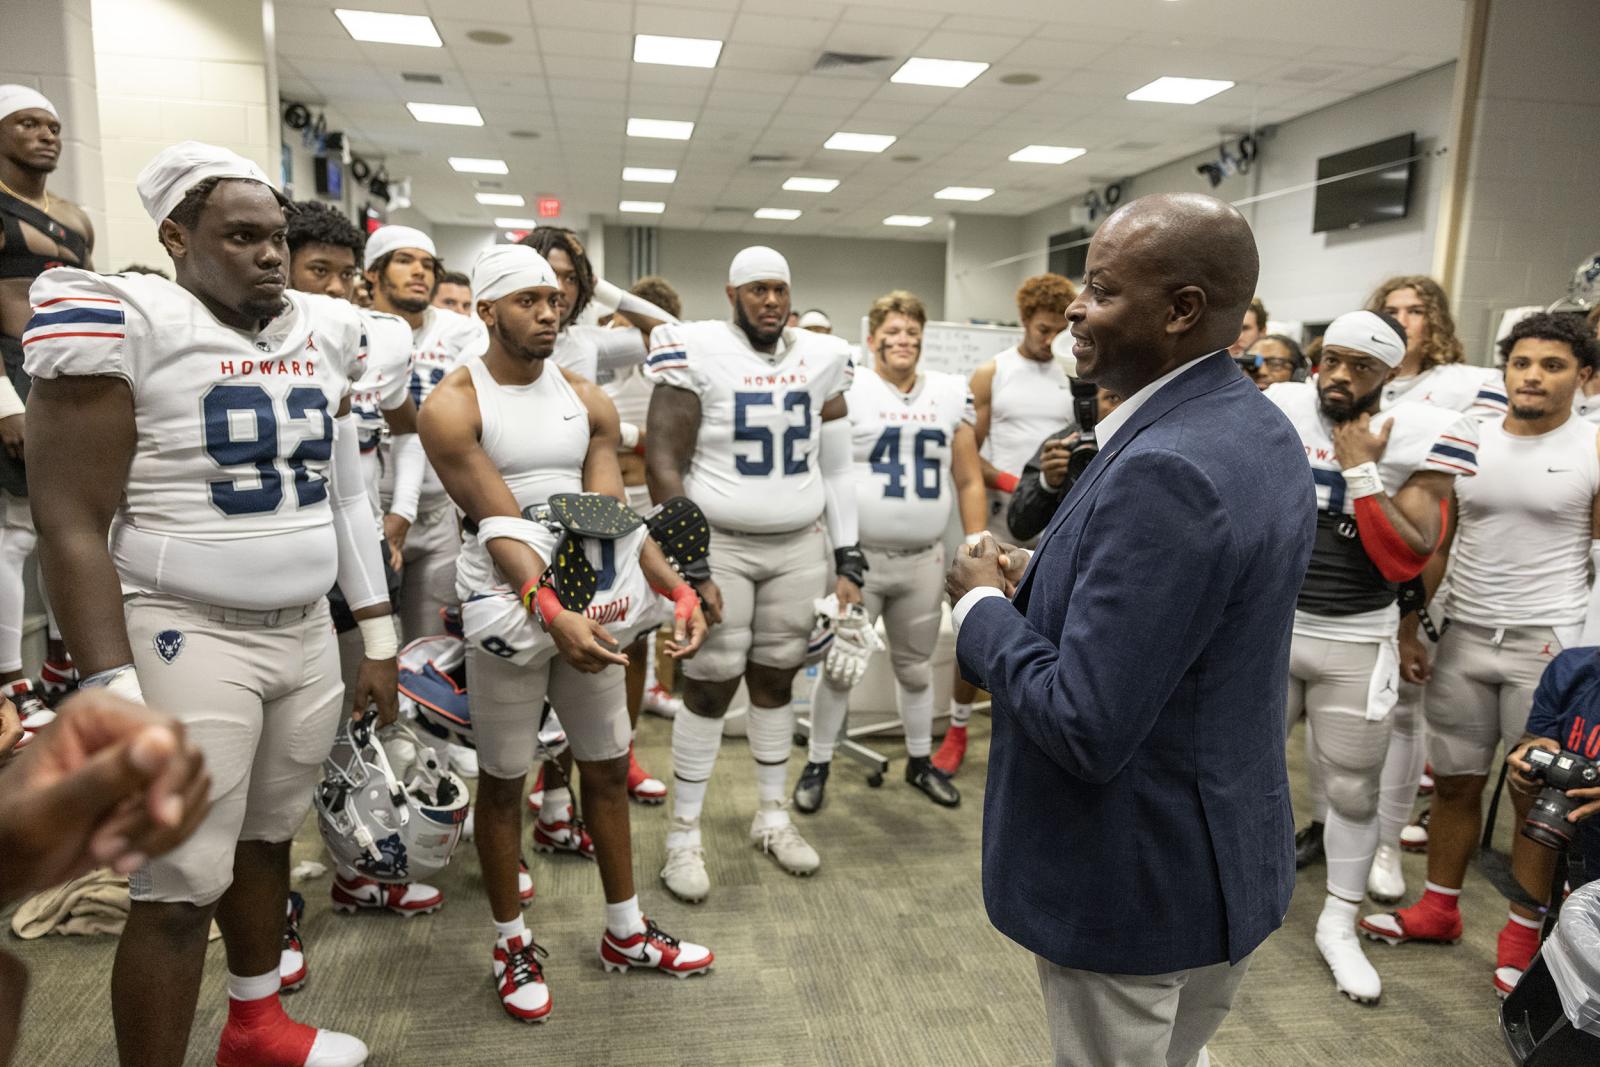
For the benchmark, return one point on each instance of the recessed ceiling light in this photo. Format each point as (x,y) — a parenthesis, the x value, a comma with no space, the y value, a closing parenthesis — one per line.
(449,114)
(676,51)
(1045,153)
(382,27)
(859,142)
(642,207)
(1179,90)
(659,175)
(502,200)
(1020,77)
(517,224)
(469,165)
(778,214)
(963,192)
(661,129)
(907,220)
(944,73)
(488,37)
(811,185)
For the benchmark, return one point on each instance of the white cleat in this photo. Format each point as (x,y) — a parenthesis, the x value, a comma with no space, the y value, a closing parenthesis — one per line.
(1386,882)
(1341,950)
(463,760)
(659,702)
(774,833)
(685,870)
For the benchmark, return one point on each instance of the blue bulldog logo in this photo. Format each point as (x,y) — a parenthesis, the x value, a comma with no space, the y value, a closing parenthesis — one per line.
(393,864)
(168,644)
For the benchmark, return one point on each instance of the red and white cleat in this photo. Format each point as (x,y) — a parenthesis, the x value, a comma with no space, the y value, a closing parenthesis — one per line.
(524,883)
(654,949)
(520,979)
(292,971)
(642,787)
(1425,783)
(659,702)
(1416,923)
(952,750)
(536,795)
(410,898)
(1414,838)
(563,835)
(259,1034)
(57,680)
(32,711)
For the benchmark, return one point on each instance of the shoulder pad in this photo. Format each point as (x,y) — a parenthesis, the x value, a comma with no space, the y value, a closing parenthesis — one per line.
(593,514)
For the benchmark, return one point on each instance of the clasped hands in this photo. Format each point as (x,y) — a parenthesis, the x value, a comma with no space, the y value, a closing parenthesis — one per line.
(987,563)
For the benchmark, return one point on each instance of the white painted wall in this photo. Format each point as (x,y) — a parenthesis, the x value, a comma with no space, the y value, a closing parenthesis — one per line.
(840,275)
(972,288)
(1307,276)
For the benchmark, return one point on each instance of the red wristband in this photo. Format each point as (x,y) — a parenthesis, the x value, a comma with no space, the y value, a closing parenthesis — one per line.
(638,449)
(1006,483)
(684,602)
(525,594)
(548,605)
(1395,560)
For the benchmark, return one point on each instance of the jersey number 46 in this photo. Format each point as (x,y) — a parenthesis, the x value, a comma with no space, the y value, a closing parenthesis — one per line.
(242,429)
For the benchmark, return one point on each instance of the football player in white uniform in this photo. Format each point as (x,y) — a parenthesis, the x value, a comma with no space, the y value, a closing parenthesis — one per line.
(507,432)
(404,269)
(1021,396)
(749,421)
(1433,371)
(1381,480)
(203,426)
(1519,592)
(915,456)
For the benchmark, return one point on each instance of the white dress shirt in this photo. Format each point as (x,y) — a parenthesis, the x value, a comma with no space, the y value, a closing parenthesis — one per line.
(1105,432)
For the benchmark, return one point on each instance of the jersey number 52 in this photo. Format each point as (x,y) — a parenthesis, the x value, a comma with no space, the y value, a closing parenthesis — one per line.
(241,428)
(795,435)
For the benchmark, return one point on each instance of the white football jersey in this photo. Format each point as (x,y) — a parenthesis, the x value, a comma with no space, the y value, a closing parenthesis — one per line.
(1586,407)
(630,391)
(387,380)
(755,462)
(227,494)
(444,340)
(900,444)
(588,350)
(1340,576)
(1476,391)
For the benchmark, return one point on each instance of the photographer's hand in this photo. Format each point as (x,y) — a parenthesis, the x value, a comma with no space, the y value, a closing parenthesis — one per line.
(1592,795)
(1053,462)
(1522,771)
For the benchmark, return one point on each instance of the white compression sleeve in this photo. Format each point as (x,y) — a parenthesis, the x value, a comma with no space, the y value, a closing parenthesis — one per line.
(838,486)
(410,465)
(619,299)
(361,577)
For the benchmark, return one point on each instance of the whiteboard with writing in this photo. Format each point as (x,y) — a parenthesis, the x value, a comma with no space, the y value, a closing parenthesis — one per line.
(959,347)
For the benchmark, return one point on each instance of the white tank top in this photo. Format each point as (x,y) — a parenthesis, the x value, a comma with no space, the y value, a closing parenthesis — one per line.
(1521,553)
(1028,401)
(537,436)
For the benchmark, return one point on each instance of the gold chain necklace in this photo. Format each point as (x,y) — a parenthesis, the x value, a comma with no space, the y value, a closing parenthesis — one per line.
(27,200)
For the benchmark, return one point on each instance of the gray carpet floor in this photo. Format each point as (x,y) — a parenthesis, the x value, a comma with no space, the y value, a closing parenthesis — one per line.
(885,957)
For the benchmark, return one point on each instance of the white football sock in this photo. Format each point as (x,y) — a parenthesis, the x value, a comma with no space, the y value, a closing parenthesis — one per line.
(517,927)
(829,708)
(696,739)
(1402,769)
(650,661)
(255,987)
(625,919)
(556,802)
(1350,847)
(770,732)
(959,714)
(916,715)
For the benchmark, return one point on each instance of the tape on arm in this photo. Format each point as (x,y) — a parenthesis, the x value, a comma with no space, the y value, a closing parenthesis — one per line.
(410,466)
(838,485)
(361,576)
(10,402)
(1395,560)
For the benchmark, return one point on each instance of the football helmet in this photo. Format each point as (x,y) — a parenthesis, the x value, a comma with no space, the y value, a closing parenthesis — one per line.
(386,826)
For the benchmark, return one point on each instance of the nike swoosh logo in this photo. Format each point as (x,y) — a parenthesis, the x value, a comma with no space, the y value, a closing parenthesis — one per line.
(1558,470)
(642,957)
(574,415)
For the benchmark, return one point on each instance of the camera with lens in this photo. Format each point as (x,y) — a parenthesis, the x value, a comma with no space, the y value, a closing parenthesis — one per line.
(1559,771)
(1086,411)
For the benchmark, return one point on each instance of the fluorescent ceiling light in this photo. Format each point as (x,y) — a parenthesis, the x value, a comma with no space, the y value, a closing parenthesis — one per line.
(502,200)
(642,207)
(945,73)
(661,129)
(468,165)
(963,192)
(778,214)
(382,27)
(859,142)
(1045,153)
(517,224)
(1179,90)
(676,51)
(907,220)
(450,114)
(811,185)
(659,175)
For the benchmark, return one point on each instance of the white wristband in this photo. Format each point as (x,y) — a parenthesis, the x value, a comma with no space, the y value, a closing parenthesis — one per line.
(974,538)
(1362,481)
(378,640)
(123,681)
(630,436)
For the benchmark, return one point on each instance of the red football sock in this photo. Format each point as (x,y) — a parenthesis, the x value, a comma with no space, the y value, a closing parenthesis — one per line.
(1517,943)
(260,1034)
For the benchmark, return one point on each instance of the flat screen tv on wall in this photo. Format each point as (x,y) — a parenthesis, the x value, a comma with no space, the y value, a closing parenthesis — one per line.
(1378,189)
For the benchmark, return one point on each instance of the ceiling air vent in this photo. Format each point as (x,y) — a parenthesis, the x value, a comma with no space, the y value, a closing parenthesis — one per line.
(835,61)
(420,78)
(728,209)
(772,159)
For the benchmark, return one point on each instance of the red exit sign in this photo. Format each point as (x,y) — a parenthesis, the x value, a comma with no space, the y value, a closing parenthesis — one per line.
(549,207)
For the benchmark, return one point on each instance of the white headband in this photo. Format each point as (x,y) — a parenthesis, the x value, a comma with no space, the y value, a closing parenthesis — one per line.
(391,238)
(505,269)
(758,263)
(15,98)
(814,318)
(1368,333)
(168,177)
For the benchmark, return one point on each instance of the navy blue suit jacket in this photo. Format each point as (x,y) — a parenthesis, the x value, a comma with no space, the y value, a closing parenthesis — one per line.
(1137,814)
